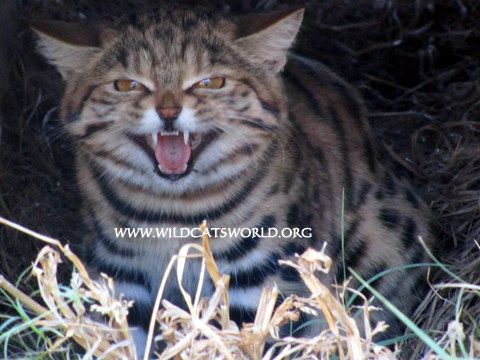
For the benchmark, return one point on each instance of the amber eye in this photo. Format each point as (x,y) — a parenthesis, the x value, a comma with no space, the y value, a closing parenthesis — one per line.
(216,82)
(126,85)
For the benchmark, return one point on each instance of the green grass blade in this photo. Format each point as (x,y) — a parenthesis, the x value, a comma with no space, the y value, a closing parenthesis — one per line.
(342,234)
(409,323)
(26,318)
(396,340)
(6,323)
(20,327)
(386,272)
(458,314)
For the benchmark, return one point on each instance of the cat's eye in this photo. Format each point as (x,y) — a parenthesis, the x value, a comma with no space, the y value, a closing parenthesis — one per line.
(126,85)
(216,82)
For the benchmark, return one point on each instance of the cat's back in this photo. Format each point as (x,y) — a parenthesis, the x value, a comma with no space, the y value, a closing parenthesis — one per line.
(330,127)
(329,121)
(371,219)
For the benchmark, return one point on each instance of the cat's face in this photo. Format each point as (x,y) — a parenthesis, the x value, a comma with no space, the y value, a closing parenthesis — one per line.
(176,100)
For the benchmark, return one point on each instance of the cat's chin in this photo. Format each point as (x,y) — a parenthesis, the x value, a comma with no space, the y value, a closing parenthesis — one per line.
(197,142)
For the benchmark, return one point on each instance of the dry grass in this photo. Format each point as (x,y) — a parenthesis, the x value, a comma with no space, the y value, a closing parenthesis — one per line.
(415,62)
(202,331)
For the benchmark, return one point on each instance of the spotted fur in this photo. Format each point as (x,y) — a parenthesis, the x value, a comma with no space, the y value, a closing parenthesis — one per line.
(285,144)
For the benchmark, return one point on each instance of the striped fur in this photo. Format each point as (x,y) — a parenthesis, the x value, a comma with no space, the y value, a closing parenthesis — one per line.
(288,146)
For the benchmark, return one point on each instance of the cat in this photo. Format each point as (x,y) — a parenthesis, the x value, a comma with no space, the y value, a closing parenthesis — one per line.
(179,115)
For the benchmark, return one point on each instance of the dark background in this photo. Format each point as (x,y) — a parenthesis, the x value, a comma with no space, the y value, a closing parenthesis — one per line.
(415,62)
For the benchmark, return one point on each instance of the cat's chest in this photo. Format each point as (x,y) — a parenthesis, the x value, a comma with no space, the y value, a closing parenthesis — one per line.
(238,248)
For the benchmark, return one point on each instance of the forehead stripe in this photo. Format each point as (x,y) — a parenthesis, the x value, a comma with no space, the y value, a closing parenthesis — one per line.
(122,56)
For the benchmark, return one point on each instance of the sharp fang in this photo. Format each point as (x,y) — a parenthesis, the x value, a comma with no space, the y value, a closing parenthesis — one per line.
(169,133)
(186,136)
(154,138)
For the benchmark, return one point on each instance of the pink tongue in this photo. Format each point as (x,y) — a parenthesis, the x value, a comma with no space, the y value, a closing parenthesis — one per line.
(172,154)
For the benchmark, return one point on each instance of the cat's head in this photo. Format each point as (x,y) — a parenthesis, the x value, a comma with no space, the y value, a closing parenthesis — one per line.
(173,99)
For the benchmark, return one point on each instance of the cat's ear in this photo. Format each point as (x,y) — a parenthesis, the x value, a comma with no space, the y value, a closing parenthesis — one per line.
(267,37)
(69,46)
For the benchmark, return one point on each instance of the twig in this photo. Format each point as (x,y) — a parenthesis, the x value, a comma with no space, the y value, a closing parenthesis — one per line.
(23,298)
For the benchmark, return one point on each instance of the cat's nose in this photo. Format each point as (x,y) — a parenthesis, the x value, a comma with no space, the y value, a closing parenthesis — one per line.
(169,115)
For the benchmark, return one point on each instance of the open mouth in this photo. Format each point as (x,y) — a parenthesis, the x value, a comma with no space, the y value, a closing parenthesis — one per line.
(173,153)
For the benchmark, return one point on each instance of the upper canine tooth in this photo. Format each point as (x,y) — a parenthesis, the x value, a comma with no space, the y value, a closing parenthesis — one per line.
(154,138)
(186,136)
